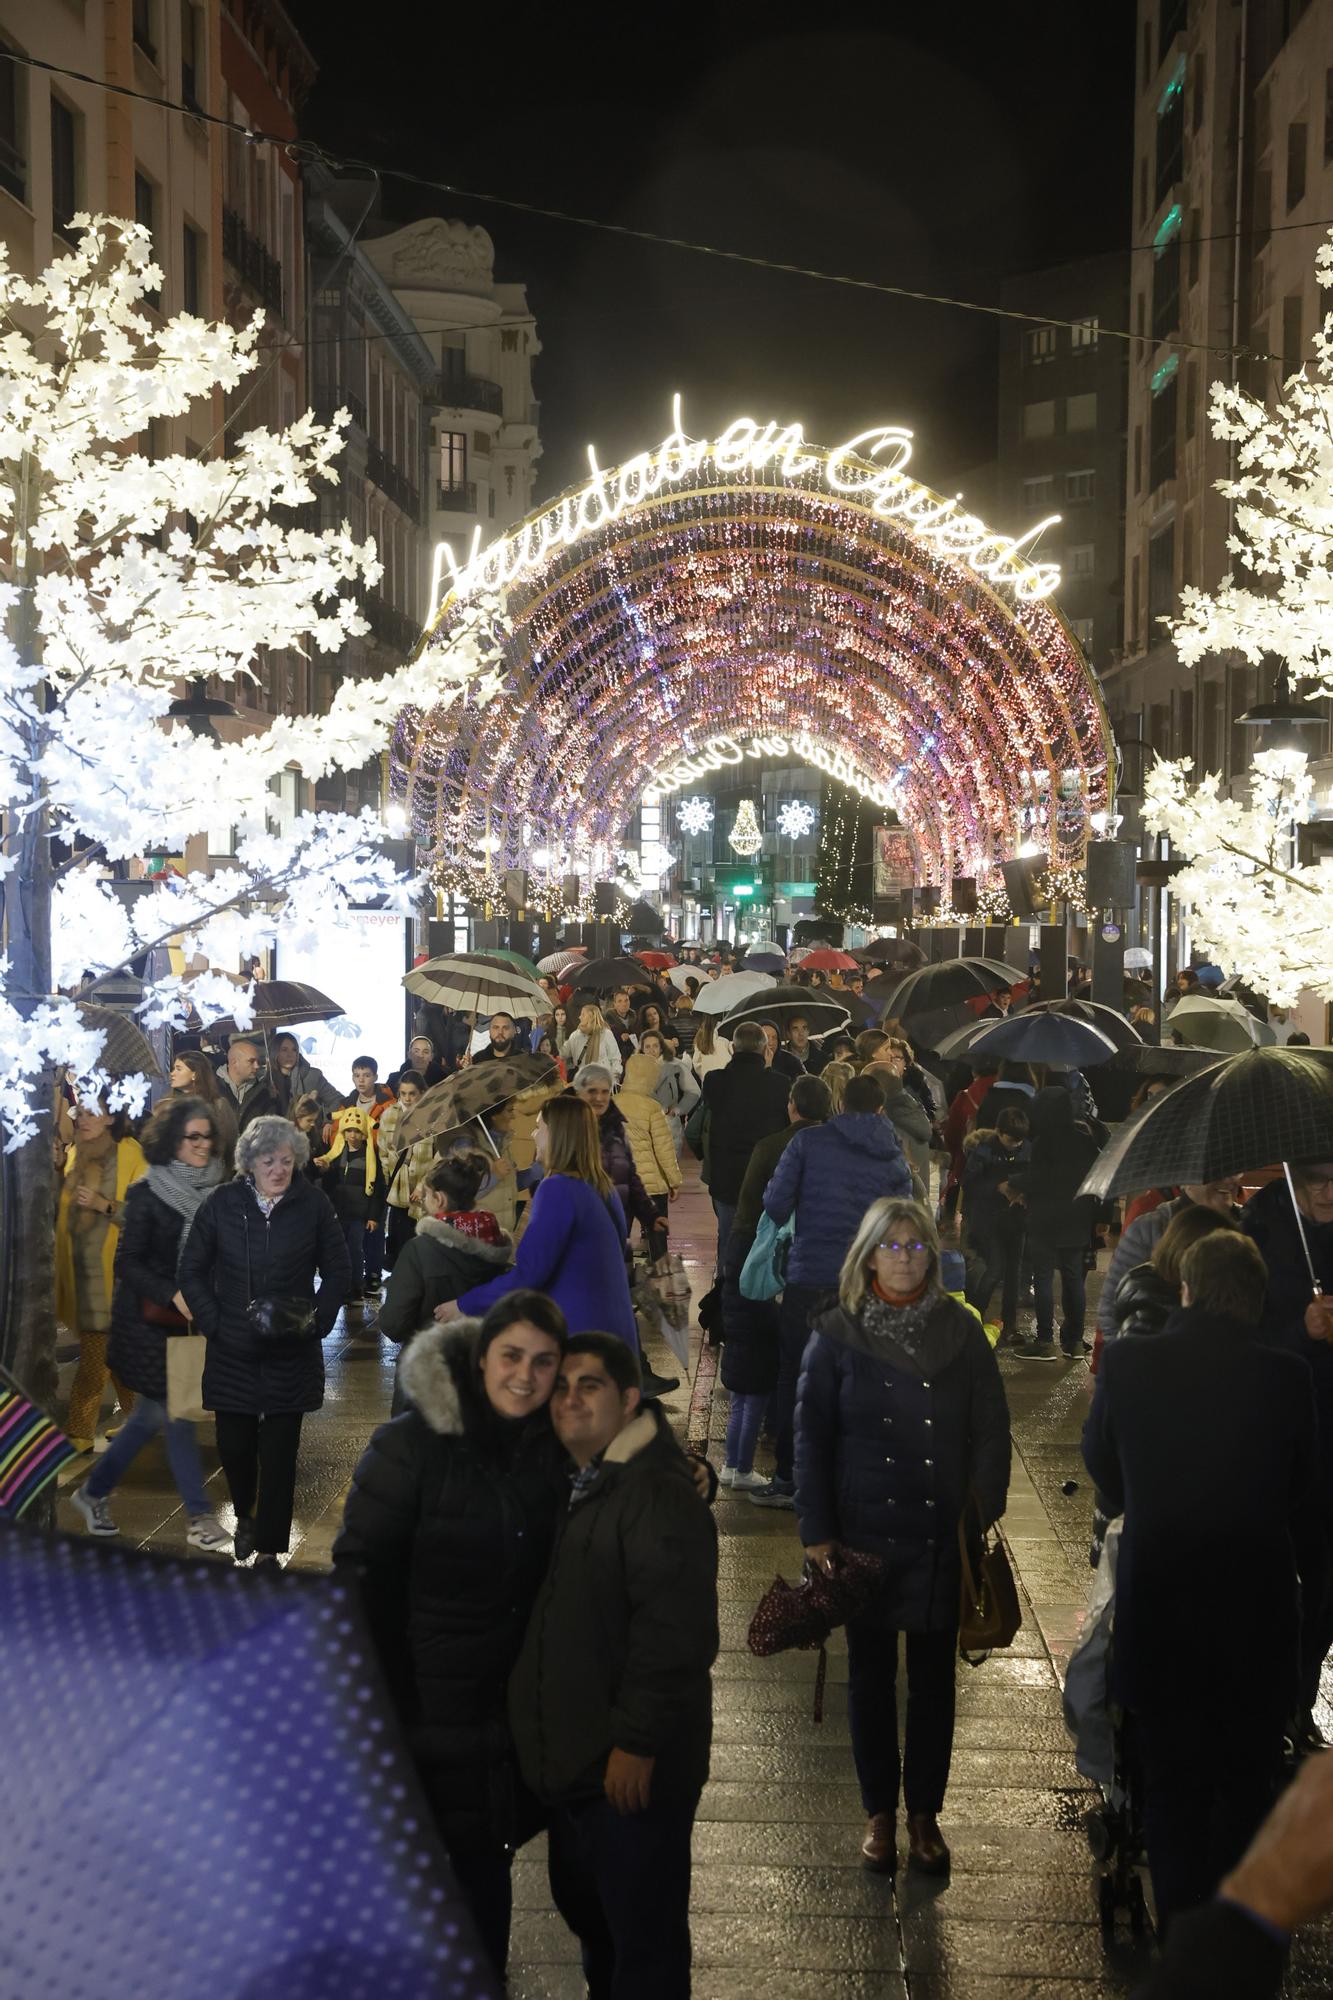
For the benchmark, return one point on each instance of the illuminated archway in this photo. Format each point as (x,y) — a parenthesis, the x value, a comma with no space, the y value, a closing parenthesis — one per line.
(751,595)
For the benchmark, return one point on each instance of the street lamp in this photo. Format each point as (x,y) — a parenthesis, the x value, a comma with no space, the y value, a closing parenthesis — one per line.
(197,710)
(1282,717)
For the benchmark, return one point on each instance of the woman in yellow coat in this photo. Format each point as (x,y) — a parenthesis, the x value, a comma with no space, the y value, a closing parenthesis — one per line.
(100,1168)
(649,1134)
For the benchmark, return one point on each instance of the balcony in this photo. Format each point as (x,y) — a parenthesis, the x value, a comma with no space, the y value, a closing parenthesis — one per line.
(395,485)
(459,499)
(392,628)
(258,270)
(325,401)
(467,392)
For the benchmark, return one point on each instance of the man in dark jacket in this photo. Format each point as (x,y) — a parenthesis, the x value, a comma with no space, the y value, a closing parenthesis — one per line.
(827,1178)
(1058,1219)
(1144,1233)
(1204,1437)
(743,1103)
(244,1084)
(503,1042)
(611,1703)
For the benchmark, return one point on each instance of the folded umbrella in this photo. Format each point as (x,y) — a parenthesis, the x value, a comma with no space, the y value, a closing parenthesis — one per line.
(825,1013)
(471,984)
(721,994)
(1216,1024)
(471,1093)
(1043,1037)
(1241,1112)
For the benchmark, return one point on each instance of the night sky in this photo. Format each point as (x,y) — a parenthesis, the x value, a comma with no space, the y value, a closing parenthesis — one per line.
(946,151)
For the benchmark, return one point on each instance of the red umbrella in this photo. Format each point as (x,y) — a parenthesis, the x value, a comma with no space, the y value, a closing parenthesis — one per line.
(656,961)
(829,960)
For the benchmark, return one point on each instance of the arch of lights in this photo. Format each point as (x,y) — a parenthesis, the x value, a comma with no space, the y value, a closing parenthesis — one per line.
(751,596)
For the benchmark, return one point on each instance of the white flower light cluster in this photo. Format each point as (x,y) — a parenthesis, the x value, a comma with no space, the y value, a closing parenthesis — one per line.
(124,576)
(1283,494)
(694,816)
(1251,906)
(796,819)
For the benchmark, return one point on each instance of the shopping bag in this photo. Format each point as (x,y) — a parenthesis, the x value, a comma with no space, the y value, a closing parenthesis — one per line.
(185,1376)
(764,1272)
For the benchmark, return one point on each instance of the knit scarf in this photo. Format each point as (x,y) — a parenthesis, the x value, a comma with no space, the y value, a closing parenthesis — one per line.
(183,1188)
(903,1324)
(89,1157)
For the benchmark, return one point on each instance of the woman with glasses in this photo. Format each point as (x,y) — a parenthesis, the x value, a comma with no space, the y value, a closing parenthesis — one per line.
(180,1143)
(900,1418)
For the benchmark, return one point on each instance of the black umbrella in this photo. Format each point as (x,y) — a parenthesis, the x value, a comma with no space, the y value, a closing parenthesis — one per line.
(603,975)
(933,988)
(1247,1111)
(1042,1036)
(281,1003)
(1148,1059)
(825,1013)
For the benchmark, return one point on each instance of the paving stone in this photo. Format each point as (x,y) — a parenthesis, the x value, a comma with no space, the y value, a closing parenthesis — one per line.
(758,1940)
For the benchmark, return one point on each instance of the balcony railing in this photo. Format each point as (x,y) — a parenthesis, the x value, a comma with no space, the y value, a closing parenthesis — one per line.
(460,499)
(258,269)
(391,482)
(468,392)
(392,628)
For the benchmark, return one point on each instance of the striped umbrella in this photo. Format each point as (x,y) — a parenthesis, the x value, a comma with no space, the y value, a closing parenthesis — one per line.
(471,984)
(556,962)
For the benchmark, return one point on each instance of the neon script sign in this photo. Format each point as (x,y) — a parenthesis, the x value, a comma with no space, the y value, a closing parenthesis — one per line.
(870,469)
(721,751)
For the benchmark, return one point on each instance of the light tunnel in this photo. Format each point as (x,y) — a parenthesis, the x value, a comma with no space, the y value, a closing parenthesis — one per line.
(751,598)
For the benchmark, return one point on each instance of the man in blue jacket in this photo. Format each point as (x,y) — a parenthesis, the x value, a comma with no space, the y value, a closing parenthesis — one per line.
(827,1178)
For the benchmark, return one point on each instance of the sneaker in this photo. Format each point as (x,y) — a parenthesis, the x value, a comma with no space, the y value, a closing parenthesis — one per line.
(1037,1350)
(727,1475)
(96,1512)
(749,1482)
(775,1493)
(206,1533)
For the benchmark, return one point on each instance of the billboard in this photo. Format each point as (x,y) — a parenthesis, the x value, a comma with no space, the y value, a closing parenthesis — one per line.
(360,964)
(895,861)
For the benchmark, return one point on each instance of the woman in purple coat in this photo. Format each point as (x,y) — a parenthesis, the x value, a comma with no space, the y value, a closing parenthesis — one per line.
(573,1248)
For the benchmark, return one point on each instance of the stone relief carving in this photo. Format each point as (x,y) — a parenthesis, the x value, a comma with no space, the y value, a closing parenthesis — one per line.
(440,252)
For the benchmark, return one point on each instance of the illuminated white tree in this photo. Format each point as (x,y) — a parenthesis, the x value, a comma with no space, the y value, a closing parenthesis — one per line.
(1283,495)
(121,576)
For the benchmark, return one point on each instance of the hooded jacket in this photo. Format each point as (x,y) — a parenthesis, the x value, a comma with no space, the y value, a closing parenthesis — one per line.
(827,1177)
(649,1135)
(910,1120)
(448,1525)
(1058,1216)
(624,1630)
(987,1165)
(439,1263)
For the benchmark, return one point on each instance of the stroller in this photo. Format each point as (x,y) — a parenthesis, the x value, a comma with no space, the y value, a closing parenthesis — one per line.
(1115,1827)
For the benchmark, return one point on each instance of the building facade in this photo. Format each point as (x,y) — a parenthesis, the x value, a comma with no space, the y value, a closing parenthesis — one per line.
(1233,177)
(1062,437)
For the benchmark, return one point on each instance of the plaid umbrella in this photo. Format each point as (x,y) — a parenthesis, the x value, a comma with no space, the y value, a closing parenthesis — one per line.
(126,1050)
(281,1003)
(204,1711)
(472,984)
(1216,1024)
(779,1003)
(1249,1111)
(1042,1036)
(720,994)
(472,1093)
(557,962)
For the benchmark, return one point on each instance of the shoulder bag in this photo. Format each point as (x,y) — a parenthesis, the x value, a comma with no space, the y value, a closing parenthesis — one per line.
(989,1615)
(279,1319)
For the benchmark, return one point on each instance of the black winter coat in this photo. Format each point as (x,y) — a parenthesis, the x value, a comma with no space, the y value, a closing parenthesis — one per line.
(745,1101)
(261,1100)
(1205,1439)
(234,1254)
(439,1263)
(750,1350)
(449,1525)
(624,1629)
(344,1182)
(145,1269)
(1267,1217)
(1058,1217)
(1143,1301)
(987,1165)
(888,1448)
(618,1159)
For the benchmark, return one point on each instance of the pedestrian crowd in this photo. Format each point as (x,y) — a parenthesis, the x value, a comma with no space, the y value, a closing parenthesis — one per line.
(537,1554)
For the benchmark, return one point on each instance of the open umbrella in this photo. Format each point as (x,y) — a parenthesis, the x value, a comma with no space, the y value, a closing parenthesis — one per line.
(1042,1036)
(880,951)
(474,985)
(932,989)
(126,1050)
(719,995)
(824,1014)
(1110,1020)
(764,961)
(501,955)
(1247,1111)
(1170,1059)
(557,962)
(826,959)
(281,1003)
(603,975)
(1217,1024)
(472,1093)
(680,975)
(656,961)
(1137,959)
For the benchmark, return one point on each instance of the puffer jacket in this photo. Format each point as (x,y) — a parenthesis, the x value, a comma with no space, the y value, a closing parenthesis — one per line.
(619,1162)
(145,1269)
(234,1253)
(827,1177)
(448,1525)
(439,1263)
(650,1141)
(1144,1302)
(890,1444)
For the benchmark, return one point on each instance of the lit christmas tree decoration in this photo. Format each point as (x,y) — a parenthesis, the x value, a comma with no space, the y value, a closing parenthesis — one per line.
(745,836)
(694,816)
(796,819)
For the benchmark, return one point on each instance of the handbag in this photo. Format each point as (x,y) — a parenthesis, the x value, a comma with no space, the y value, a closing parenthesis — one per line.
(277,1317)
(155,1315)
(989,1614)
(804,1614)
(764,1272)
(185,1376)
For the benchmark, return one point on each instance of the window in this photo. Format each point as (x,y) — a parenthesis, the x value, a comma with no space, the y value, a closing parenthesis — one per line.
(1162,436)
(192,269)
(142,28)
(1039,344)
(1083,559)
(1039,492)
(1083,337)
(144,205)
(1082,631)
(1162,577)
(64,166)
(1170,140)
(1039,420)
(1138,458)
(1196,232)
(453,460)
(191,77)
(1147,53)
(1328,116)
(13,166)
(1081,412)
(1081,485)
(1200,93)
(1166,290)
(1297,151)
(1143,190)
(1293,353)
(1191,380)
(1134,593)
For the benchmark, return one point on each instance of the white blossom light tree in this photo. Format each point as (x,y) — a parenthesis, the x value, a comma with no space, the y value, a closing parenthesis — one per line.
(120,577)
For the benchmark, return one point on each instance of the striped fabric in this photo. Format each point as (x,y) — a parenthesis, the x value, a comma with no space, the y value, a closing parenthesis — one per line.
(32,1451)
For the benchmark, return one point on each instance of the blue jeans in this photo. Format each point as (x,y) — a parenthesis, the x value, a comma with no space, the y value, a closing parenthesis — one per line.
(144,1422)
(365,1249)
(744,1423)
(621,1881)
(798,1302)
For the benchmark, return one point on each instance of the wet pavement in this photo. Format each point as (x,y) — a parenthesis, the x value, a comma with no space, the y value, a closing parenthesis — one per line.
(781,1904)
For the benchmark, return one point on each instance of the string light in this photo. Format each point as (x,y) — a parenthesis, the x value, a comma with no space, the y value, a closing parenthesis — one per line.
(694,816)
(993,906)
(745,836)
(796,819)
(1062,885)
(720,752)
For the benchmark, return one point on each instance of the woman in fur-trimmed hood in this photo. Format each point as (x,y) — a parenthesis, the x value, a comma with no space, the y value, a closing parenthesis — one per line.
(449,1523)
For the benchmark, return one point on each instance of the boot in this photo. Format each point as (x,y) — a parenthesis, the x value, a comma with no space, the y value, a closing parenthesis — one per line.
(926,1851)
(879,1849)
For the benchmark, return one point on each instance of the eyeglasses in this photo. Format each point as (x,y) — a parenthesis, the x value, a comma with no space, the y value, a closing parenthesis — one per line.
(1313,1181)
(198,1137)
(902,1249)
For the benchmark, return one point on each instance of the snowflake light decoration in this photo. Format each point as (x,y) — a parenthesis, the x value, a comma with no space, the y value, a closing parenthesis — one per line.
(694,816)
(796,819)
